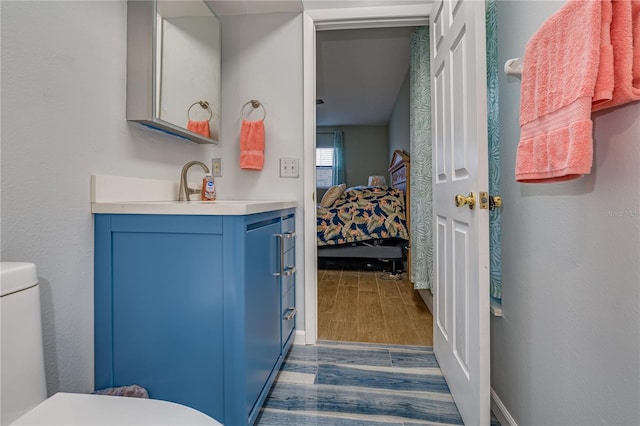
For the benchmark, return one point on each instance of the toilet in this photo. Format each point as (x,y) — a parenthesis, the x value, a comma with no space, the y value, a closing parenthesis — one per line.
(23,392)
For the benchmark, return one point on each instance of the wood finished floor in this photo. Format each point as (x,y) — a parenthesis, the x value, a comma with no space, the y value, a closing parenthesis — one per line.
(371,307)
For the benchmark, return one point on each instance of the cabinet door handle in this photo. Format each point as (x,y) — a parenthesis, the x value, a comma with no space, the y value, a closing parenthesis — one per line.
(280,237)
(291,312)
(289,270)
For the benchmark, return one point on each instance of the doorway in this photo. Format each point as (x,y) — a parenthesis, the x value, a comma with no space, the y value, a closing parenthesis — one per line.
(362,89)
(461,25)
(399,16)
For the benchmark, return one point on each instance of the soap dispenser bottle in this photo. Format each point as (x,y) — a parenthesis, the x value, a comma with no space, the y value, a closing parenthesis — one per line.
(208,188)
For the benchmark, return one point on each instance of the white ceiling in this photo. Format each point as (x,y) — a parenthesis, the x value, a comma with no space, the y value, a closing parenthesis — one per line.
(240,7)
(236,7)
(358,72)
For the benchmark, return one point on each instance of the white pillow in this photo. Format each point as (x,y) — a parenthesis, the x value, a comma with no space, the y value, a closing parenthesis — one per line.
(332,194)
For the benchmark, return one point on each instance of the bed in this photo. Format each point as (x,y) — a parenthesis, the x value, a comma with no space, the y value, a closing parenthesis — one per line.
(369,222)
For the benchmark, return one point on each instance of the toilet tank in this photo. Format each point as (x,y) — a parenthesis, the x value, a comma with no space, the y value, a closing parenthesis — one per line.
(22,376)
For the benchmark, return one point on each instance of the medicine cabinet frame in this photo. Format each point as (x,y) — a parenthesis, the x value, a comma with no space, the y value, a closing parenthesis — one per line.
(142,76)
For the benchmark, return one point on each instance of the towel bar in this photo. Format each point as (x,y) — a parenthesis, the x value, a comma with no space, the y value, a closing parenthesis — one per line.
(255,104)
(513,67)
(203,105)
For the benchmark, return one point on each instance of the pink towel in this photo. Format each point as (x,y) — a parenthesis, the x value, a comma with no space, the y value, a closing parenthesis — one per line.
(252,145)
(199,127)
(571,65)
(603,90)
(625,42)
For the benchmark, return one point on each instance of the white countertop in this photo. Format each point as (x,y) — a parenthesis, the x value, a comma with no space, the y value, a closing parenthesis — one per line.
(218,207)
(128,195)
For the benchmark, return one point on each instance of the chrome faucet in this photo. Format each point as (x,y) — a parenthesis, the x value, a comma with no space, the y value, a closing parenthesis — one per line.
(185,191)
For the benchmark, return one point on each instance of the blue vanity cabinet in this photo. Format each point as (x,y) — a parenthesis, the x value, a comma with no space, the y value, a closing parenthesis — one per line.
(262,305)
(254,344)
(159,307)
(191,308)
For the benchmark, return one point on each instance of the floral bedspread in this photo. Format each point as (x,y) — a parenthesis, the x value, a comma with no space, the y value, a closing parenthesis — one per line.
(361,214)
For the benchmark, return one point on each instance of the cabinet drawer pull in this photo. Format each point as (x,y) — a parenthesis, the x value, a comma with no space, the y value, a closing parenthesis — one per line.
(291,312)
(287,272)
(286,235)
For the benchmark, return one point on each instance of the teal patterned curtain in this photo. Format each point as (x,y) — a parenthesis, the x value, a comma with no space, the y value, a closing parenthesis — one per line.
(338,158)
(420,123)
(495,221)
(420,131)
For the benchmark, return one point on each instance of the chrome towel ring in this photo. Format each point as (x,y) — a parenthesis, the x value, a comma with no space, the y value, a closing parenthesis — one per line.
(204,105)
(255,104)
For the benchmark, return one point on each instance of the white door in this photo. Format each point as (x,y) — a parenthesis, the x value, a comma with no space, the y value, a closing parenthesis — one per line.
(461,234)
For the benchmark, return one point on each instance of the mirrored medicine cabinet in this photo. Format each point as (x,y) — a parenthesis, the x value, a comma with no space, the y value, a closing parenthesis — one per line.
(173,67)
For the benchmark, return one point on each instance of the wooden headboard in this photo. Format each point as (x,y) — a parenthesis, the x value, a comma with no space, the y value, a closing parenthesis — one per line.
(400,170)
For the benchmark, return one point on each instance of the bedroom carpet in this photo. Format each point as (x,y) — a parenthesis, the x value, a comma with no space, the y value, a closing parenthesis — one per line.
(371,307)
(348,384)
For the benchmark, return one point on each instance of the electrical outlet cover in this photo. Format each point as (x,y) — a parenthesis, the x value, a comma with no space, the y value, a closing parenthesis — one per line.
(289,167)
(216,167)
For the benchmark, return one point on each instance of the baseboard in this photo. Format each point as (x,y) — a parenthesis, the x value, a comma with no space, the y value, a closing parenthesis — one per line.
(500,410)
(300,338)
(427,296)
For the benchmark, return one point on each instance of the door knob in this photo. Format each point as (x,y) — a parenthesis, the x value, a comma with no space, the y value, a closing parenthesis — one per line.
(470,200)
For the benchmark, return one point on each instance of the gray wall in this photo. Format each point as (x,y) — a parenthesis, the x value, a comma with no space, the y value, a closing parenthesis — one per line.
(365,152)
(63,119)
(261,59)
(399,135)
(567,350)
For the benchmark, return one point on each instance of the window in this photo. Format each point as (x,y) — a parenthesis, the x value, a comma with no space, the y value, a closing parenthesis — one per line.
(324,167)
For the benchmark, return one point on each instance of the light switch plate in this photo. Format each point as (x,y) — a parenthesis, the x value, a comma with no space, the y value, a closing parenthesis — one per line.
(216,167)
(289,167)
